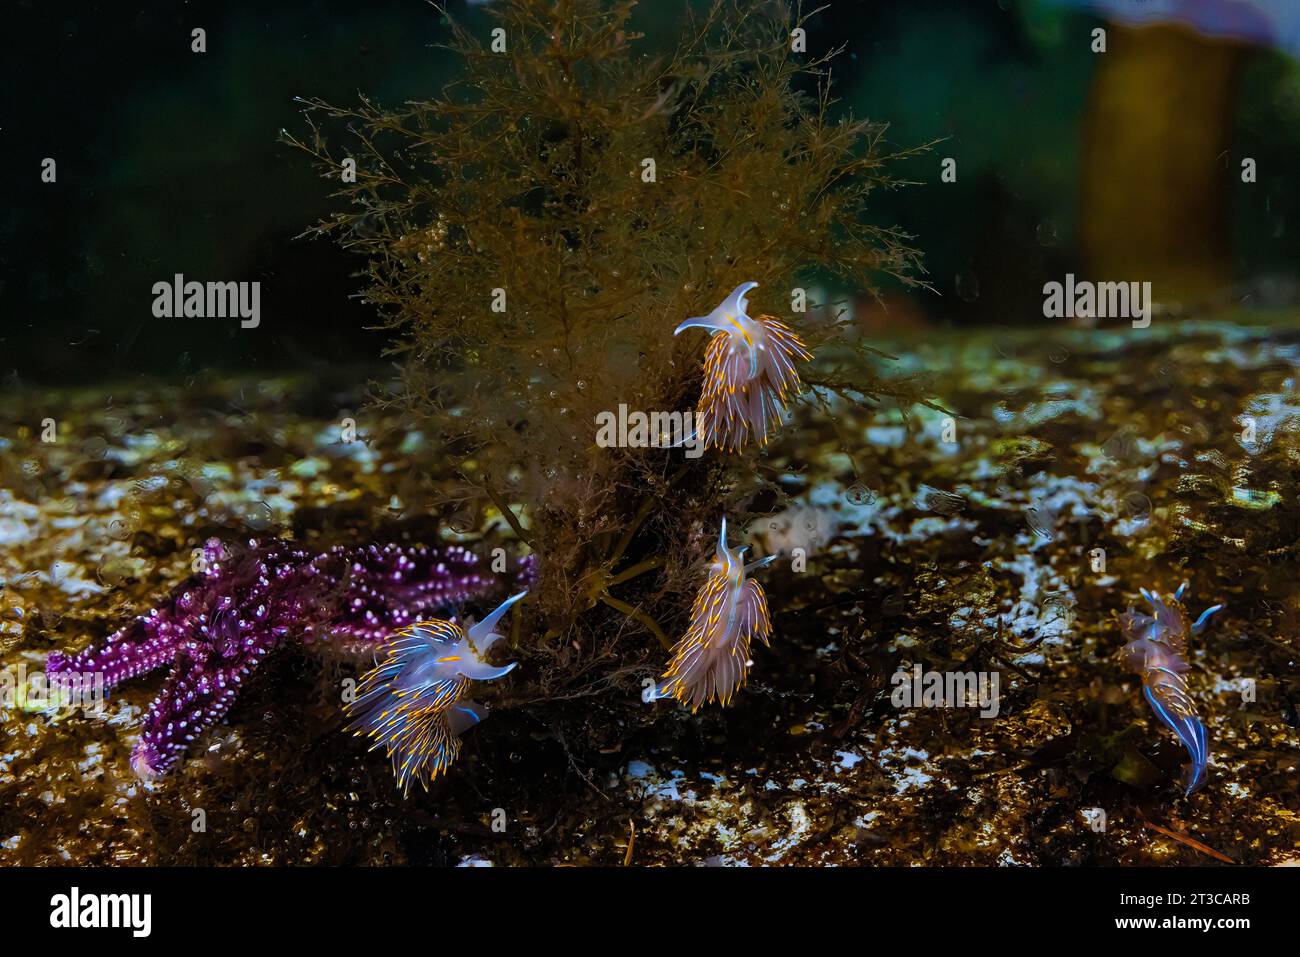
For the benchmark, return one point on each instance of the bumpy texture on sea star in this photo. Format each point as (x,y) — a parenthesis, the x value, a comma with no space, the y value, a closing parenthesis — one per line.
(222,624)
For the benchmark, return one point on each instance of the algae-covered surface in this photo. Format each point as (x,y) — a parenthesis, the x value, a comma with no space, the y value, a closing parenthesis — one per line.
(1077,468)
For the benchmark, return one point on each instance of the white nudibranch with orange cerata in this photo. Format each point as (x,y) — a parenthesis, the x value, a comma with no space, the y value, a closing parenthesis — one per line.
(413,702)
(749,373)
(711,661)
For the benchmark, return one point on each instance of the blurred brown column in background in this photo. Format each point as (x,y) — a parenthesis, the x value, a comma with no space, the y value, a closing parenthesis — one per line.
(1154,174)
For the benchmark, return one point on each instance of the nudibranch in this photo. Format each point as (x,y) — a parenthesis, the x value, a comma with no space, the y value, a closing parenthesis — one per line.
(220,625)
(413,702)
(748,373)
(1157,650)
(711,661)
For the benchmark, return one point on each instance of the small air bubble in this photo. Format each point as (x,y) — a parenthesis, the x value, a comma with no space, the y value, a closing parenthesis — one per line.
(859,494)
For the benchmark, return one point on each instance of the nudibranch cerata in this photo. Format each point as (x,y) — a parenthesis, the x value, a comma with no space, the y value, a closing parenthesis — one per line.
(748,373)
(711,661)
(413,702)
(1157,650)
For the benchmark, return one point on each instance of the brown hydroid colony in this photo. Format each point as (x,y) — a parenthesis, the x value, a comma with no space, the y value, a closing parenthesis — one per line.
(535,233)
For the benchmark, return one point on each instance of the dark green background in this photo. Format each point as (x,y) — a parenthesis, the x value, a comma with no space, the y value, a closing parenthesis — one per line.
(168,161)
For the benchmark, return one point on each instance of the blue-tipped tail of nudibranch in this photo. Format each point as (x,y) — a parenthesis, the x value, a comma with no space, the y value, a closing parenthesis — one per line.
(1190,730)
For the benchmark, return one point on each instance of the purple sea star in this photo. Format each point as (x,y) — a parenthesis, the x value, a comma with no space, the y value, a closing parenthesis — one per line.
(242,605)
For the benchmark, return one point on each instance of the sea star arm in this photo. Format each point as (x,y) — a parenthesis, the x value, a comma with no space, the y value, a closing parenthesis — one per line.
(202,686)
(147,643)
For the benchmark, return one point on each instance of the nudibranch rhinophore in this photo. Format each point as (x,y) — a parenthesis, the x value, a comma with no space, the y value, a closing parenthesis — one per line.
(711,661)
(748,373)
(413,702)
(1157,650)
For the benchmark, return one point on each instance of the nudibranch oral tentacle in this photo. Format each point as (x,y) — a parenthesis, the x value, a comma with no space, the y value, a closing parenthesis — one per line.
(749,373)
(711,661)
(1157,650)
(413,702)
